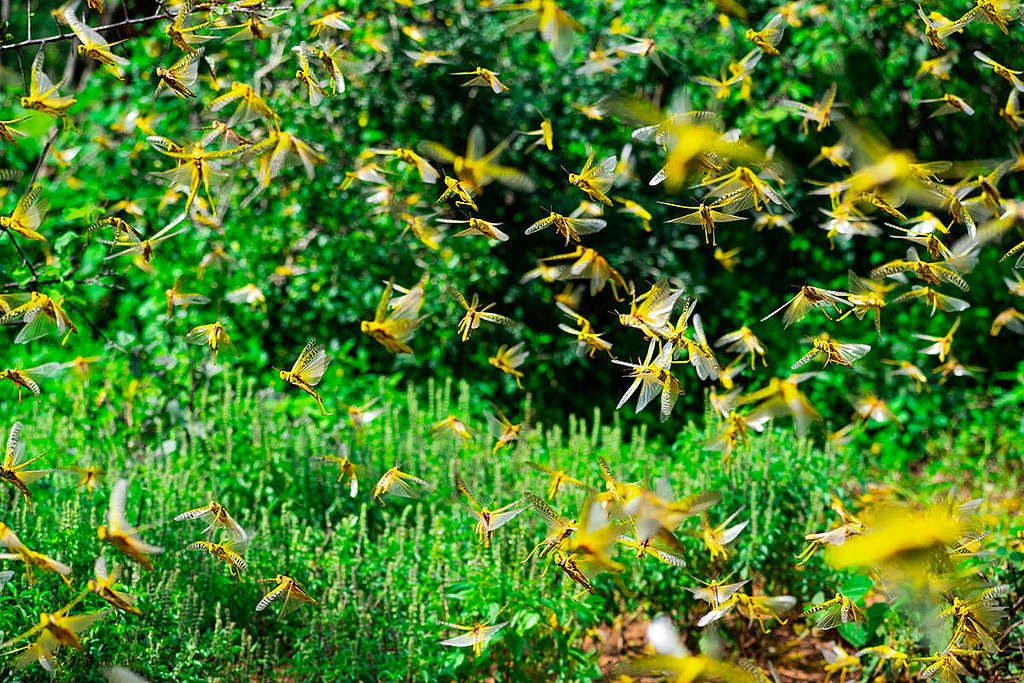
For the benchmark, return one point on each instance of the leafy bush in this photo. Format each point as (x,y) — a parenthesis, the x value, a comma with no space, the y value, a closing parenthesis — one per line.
(321,247)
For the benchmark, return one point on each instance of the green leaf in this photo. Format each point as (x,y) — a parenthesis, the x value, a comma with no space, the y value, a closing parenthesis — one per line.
(87,213)
(527,620)
(61,242)
(856,587)
(855,634)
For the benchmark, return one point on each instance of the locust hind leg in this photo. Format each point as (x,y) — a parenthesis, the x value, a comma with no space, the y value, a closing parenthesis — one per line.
(319,401)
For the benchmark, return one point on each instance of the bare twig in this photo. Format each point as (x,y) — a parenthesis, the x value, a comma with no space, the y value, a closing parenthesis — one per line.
(96,329)
(33,283)
(42,157)
(35,275)
(63,36)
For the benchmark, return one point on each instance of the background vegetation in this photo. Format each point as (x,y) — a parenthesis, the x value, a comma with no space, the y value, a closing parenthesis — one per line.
(185,430)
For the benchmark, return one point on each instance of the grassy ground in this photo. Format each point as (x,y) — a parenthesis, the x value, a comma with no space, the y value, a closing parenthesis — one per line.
(384,578)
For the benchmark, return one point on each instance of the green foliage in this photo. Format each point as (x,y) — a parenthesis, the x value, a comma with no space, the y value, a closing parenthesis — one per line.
(184,430)
(384,577)
(336,253)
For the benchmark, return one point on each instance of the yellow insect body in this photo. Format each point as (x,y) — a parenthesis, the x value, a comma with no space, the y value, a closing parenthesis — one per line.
(286,590)
(180,76)
(213,335)
(27,215)
(477,635)
(595,181)
(92,43)
(103,586)
(54,629)
(767,38)
(31,558)
(488,521)
(395,321)
(476,315)
(43,95)
(398,483)
(509,359)
(483,77)
(308,370)
(123,536)
(228,551)
(346,468)
(216,517)
(716,538)
(26,378)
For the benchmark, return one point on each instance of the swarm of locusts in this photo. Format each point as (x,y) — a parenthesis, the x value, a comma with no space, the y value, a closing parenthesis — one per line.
(936,218)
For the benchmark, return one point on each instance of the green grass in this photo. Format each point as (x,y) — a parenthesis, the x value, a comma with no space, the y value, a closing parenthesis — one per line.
(385,577)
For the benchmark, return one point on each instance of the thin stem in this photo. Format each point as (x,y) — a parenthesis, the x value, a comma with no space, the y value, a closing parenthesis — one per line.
(35,275)
(96,329)
(42,157)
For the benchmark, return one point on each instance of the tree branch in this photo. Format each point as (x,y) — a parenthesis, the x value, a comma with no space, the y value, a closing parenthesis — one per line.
(64,36)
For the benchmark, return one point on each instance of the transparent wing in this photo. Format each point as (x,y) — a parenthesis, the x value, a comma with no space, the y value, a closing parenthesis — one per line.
(312,363)
(88,36)
(551,518)
(403,485)
(540,225)
(200,335)
(852,352)
(118,497)
(187,67)
(45,370)
(436,150)
(99,568)
(276,593)
(500,519)
(475,144)
(465,640)
(40,84)
(15,446)
(32,475)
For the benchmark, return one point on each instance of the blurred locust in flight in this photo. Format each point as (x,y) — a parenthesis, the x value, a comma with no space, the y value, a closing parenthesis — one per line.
(395,321)
(213,335)
(488,521)
(475,315)
(123,536)
(476,168)
(31,558)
